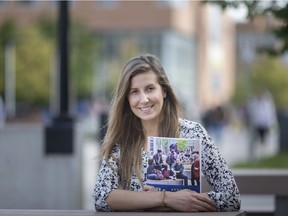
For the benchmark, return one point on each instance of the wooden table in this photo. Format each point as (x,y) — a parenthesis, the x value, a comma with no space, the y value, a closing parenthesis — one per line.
(26,212)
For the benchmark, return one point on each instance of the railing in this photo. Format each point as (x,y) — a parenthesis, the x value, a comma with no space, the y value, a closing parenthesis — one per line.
(263,182)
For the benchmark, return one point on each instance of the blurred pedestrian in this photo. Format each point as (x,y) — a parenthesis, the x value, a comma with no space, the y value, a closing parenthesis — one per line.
(262,115)
(214,120)
(2,113)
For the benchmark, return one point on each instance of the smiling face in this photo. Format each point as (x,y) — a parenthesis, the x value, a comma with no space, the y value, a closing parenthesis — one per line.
(146,97)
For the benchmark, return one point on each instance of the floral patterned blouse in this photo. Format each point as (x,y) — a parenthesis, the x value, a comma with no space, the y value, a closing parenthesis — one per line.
(214,168)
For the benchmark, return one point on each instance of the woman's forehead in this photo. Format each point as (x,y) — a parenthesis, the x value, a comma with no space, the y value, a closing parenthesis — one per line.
(143,79)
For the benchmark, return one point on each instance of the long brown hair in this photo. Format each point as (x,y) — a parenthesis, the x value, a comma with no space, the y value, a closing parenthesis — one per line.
(125,129)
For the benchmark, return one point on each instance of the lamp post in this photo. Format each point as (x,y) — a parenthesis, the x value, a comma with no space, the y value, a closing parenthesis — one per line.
(59,134)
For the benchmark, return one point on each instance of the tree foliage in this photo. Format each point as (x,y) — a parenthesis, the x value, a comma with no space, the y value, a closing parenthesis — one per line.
(267,72)
(36,48)
(33,67)
(277,9)
(270,73)
(8,33)
(84,52)
(181,144)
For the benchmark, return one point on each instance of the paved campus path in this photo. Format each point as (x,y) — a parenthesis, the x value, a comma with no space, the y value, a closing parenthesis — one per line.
(236,146)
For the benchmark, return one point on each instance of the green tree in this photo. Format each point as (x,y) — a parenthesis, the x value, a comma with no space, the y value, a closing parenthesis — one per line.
(277,9)
(33,67)
(84,52)
(8,33)
(47,25)
(241,92)
(33,53)
(181,144)
(268,72)
(35,59)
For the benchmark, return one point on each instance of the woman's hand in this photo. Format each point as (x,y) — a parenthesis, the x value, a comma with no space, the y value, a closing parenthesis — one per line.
(189,201)
(149,188)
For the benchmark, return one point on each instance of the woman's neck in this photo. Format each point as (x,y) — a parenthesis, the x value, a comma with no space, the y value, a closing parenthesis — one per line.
(151,129)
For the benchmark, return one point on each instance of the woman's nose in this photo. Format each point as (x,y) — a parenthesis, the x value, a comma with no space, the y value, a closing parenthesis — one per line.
(144,98)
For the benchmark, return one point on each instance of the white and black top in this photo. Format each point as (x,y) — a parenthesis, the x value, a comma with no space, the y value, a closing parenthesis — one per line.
(214,168)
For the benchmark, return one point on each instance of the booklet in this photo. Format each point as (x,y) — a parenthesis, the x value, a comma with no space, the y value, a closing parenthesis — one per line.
(174,164)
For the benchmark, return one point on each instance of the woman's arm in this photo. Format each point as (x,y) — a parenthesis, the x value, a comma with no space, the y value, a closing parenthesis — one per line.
(184,200)
(107,181)
(108,196)
(125,200)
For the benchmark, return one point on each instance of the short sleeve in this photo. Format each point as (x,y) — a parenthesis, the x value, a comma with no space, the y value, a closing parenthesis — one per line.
(107,180)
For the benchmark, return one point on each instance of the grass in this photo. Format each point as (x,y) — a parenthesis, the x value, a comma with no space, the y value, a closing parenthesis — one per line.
(279,160)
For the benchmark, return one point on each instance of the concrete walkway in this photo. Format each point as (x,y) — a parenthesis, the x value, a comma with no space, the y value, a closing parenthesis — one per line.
(236,146)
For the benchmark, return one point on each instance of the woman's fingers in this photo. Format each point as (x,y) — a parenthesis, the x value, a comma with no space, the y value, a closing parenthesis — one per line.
(149,188)
(205,202)
(190,201)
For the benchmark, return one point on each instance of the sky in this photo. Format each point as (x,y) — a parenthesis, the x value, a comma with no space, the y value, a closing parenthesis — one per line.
(237,14)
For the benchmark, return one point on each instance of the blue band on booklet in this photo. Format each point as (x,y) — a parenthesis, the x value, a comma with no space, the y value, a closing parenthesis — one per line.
(174,188)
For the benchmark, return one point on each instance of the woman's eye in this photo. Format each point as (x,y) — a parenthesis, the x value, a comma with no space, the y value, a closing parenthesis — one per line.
(133,92)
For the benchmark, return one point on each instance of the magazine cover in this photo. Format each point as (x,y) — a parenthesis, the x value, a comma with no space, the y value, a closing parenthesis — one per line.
(174,163)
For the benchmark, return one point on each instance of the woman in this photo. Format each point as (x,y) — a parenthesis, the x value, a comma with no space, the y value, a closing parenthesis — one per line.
(145,105)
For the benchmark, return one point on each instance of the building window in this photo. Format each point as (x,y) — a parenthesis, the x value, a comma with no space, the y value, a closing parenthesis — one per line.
(28,3)
(2,3)
(56,3)
(172,3)
(149,44)
(107,3)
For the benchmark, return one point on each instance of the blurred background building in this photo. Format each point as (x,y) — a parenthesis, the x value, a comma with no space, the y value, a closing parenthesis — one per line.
(211,60)
(195,42)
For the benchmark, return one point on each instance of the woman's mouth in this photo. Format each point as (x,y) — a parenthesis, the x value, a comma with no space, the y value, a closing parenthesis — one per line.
(146,109)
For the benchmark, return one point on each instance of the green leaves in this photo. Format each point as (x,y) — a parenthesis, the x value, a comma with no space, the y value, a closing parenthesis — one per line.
(270,73)
(277,9)
(36,48)
(33,67)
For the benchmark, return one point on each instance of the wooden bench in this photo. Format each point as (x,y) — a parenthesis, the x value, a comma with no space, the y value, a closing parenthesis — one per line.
(262,182)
